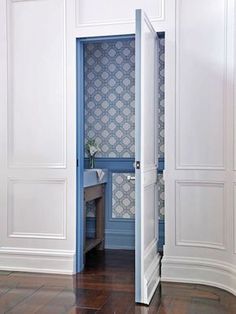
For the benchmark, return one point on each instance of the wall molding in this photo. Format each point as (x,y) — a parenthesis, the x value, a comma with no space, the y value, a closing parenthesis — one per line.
(110,22)
(12,163)
(192,166)
(10,209)
(197,244)
(199,271)
(152,273)
(234,217)
(40,261)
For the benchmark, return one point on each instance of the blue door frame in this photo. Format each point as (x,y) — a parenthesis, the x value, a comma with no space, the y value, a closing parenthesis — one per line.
(80,141)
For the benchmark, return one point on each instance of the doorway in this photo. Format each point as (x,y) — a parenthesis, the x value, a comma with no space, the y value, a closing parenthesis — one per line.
(106,115)
(106,118)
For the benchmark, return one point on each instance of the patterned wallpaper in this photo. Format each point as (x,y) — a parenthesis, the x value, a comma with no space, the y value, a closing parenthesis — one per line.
(161,98)
(123,196)
(109,113)
(160,123)
(109,96)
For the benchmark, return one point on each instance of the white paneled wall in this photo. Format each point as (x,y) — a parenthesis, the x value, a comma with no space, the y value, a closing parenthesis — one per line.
(38,146)
(199,178)
(115,18)
(38,131)
(38,122)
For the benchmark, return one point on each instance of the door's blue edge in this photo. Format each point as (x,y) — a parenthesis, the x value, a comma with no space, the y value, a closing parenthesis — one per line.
(80,157)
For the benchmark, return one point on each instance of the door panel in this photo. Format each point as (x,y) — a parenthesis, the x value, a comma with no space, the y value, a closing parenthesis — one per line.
(146,233)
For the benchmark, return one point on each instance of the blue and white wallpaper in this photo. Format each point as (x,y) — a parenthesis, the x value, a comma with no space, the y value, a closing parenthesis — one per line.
(160,123)
(161,98)
(110,113)
(123,196)
(110,96)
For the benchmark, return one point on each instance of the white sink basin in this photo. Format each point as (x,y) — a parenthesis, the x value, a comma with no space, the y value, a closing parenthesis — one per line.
(91,177)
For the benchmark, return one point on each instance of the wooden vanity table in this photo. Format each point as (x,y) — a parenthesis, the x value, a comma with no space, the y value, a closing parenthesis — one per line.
(95,193)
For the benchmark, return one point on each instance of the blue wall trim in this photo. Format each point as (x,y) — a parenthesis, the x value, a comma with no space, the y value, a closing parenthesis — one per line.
(113,164)
(120,164)
(106,38)
(161,165)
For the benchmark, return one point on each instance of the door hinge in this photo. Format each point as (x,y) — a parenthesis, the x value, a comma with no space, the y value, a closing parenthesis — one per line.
(137,165)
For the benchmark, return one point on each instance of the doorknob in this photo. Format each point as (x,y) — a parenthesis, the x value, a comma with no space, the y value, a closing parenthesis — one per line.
(130,178)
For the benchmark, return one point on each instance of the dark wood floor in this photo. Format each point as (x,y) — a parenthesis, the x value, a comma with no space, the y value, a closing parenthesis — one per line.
(106,286)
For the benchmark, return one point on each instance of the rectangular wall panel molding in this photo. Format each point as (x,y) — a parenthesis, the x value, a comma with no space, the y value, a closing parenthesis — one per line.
(36,208)
(198,203)
(234,218)
(109,13)
(36,78)
(201,86)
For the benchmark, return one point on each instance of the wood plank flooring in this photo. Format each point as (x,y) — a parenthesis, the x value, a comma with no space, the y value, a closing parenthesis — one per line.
(105,286)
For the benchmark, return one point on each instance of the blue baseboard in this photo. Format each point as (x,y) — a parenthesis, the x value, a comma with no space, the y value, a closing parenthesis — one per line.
(123,239)
(115,240)
(161,241)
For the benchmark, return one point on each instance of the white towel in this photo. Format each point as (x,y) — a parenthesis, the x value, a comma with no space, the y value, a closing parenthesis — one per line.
(100,174)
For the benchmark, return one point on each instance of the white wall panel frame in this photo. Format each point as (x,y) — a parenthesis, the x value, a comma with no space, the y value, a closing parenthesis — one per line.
(234,218)
(194,90)
(154,9)
(13,33)
(30,221)
(115,18)
(218,222)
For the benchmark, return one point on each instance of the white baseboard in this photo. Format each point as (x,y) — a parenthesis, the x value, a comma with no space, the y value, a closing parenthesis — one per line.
(199,271)
(38,261)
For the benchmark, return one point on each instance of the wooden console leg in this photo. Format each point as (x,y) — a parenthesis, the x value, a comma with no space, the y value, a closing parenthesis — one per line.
(100,221)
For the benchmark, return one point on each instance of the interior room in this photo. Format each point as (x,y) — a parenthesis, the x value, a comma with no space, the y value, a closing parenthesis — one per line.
(117,156)
(109,127)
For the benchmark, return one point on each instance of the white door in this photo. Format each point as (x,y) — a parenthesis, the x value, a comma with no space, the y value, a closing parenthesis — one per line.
(146,219)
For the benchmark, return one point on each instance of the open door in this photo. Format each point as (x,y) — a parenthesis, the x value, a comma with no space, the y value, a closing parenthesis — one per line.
(146,217)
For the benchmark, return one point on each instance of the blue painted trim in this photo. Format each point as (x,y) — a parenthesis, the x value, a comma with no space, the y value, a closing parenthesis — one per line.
(161,34)
(106,38)
(161,165)
(113,164)
(161,229)
(109,218)
(119,164)
(119,167)
(80,158)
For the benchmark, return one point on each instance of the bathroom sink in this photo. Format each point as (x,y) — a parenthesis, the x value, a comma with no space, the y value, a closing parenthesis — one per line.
(95,177)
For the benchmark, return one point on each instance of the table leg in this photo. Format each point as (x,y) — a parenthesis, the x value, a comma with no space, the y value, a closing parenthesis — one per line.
(100,221)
